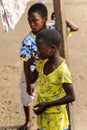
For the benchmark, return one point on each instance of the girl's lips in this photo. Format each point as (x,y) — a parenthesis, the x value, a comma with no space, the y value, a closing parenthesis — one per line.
(34,29)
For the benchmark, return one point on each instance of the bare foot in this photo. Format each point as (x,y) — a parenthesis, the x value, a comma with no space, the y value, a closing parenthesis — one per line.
(26,126)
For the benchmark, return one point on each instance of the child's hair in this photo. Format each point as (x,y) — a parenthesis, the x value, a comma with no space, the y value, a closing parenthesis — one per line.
(40,8)
(49,37)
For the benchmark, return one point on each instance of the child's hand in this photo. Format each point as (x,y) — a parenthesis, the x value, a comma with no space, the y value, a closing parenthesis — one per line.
(32,60)
(30,90)
(38,109)
(53,16)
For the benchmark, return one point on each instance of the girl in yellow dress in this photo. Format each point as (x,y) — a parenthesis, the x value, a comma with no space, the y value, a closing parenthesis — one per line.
(55,88)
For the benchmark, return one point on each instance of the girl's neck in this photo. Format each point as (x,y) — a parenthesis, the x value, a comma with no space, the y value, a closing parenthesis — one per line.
(51,64)
(55,60)
(44,27)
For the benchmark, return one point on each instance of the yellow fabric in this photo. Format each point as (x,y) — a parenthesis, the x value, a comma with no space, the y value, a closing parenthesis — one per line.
(50,89)
(69,32)
(53,121)
(24,59)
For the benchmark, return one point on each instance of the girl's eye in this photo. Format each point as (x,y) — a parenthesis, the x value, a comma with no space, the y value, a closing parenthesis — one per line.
(37,19)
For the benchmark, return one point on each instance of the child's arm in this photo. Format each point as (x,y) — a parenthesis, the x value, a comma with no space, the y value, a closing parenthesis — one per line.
(71,25)
(30,76)
(70,97)
(30,87)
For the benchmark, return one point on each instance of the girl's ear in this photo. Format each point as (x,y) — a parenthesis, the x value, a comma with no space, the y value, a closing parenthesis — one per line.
(45,18)
(53,49)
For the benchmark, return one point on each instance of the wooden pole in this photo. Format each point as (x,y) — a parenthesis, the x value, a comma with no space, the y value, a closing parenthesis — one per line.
(61,27)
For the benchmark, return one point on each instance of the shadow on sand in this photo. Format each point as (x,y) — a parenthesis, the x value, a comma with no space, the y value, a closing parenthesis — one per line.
(10,127)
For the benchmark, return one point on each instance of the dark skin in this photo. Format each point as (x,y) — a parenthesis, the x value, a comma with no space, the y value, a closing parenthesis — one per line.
(50,52)
(37,23)
(73,27)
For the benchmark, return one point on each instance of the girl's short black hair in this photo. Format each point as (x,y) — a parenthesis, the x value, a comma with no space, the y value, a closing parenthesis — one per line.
(49,37)
(40,8)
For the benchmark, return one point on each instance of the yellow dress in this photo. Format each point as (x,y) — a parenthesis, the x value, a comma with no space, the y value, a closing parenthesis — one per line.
(50,89)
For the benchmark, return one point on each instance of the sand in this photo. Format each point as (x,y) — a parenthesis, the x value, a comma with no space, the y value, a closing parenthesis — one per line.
(11,111)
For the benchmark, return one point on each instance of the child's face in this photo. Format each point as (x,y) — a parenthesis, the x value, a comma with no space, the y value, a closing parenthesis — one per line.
(36,22)
(44,51)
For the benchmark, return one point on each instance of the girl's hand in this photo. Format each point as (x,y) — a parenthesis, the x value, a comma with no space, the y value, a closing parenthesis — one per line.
(30,90)
(32,60)
(53,16)
(39,108)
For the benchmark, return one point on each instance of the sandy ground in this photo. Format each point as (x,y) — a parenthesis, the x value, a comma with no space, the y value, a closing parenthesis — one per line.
(11,111)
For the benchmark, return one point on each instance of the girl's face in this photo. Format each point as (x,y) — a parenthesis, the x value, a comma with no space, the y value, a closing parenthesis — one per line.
(44,51)
(36,22)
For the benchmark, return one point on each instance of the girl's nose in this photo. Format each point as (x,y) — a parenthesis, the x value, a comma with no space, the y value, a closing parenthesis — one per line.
(32,23)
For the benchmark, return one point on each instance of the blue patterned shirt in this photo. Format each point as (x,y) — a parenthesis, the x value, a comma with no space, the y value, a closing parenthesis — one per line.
(28,46)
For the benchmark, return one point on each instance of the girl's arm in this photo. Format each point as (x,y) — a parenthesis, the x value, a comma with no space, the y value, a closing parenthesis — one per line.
(71,25)
(30,76)
(70,97)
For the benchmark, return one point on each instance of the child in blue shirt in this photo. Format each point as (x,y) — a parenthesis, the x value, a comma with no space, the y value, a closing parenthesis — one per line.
(37,18)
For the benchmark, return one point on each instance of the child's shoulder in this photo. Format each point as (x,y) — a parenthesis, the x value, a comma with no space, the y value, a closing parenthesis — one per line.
(29,37)
(28,47)
(29,40)
(51,25)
